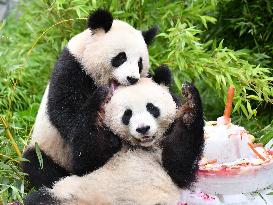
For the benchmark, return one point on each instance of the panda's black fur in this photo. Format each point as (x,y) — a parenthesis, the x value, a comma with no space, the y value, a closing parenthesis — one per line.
(50,172)
(73,103)
(100,19)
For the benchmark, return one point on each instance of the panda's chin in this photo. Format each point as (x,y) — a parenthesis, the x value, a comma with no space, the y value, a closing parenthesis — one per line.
(147,143)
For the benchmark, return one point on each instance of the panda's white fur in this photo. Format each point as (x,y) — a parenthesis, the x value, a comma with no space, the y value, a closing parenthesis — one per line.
(104,46)
(133,175)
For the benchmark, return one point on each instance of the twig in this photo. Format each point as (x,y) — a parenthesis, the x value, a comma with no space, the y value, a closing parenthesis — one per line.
(13,142)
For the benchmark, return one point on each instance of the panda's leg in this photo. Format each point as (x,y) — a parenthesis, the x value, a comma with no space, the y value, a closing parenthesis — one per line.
(182,149)
(41,197)
(45,176)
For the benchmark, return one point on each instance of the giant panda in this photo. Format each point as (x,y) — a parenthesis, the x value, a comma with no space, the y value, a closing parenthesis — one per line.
(158,139)
(107,54)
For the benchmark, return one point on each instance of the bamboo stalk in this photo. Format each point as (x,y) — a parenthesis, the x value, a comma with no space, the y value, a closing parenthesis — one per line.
(13,142)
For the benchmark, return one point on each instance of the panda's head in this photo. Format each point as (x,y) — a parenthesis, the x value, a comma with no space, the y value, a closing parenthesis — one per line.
(140,114)
(112,51)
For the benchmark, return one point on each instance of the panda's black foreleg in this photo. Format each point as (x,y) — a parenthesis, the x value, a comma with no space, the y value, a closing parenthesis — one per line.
(45,176)
(92,144)
(183,147)
(41,197)
(74,100)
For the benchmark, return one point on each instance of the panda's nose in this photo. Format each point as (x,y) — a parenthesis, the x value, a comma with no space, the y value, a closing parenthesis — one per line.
(132,80)
(143,130)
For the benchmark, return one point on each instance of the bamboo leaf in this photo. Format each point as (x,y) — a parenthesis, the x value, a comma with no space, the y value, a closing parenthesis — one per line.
(39,155)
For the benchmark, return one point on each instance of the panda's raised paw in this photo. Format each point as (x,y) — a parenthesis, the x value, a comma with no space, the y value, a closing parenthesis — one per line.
(192,108)
(191,94)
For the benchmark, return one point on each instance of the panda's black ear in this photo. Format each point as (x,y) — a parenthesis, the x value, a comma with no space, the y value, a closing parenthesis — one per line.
(150,34)
(163,75)
(100,19)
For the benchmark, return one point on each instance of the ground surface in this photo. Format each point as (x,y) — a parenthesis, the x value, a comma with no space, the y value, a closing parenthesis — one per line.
(3,10)
(5,6)
(262,197)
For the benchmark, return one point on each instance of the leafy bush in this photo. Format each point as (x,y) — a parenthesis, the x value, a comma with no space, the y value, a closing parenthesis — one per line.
(33,36)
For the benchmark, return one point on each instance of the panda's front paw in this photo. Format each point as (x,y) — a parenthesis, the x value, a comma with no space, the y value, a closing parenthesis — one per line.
(190,93)
(192,108)
(101,96)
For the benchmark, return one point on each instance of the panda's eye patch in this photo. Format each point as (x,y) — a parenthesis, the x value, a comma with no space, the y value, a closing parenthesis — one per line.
(119,59)
(153,110)
(140,64)
(127,116)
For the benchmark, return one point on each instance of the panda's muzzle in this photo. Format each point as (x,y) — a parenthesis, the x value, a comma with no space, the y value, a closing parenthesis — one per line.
(143,130)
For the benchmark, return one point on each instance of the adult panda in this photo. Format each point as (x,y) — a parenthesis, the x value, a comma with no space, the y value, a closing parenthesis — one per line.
(108,53)
(158,140)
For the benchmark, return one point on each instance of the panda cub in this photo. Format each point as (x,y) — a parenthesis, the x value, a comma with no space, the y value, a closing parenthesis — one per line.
(151,127)
(107,54)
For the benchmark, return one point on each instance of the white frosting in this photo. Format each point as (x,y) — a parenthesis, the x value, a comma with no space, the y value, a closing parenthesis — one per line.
(226,143)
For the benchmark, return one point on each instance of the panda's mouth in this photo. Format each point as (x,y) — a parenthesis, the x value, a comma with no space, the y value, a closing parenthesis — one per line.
(114,85)
(146,140)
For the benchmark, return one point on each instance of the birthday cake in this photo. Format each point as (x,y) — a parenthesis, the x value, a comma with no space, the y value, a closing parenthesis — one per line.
(232,163)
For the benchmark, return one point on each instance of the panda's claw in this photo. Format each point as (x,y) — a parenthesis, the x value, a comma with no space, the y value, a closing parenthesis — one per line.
(190,93)
(187,89)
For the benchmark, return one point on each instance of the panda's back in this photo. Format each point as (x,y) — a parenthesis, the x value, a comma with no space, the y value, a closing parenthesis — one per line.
(130,177)
(141,179)
(136,169)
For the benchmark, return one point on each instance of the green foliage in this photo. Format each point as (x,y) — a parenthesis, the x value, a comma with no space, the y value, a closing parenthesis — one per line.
(266,134)
(217,67)
(33,36)
(246,24)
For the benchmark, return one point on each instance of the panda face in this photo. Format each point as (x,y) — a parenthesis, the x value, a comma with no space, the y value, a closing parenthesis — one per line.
(118,56)
(143,124)
(140,114)
(127,68)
